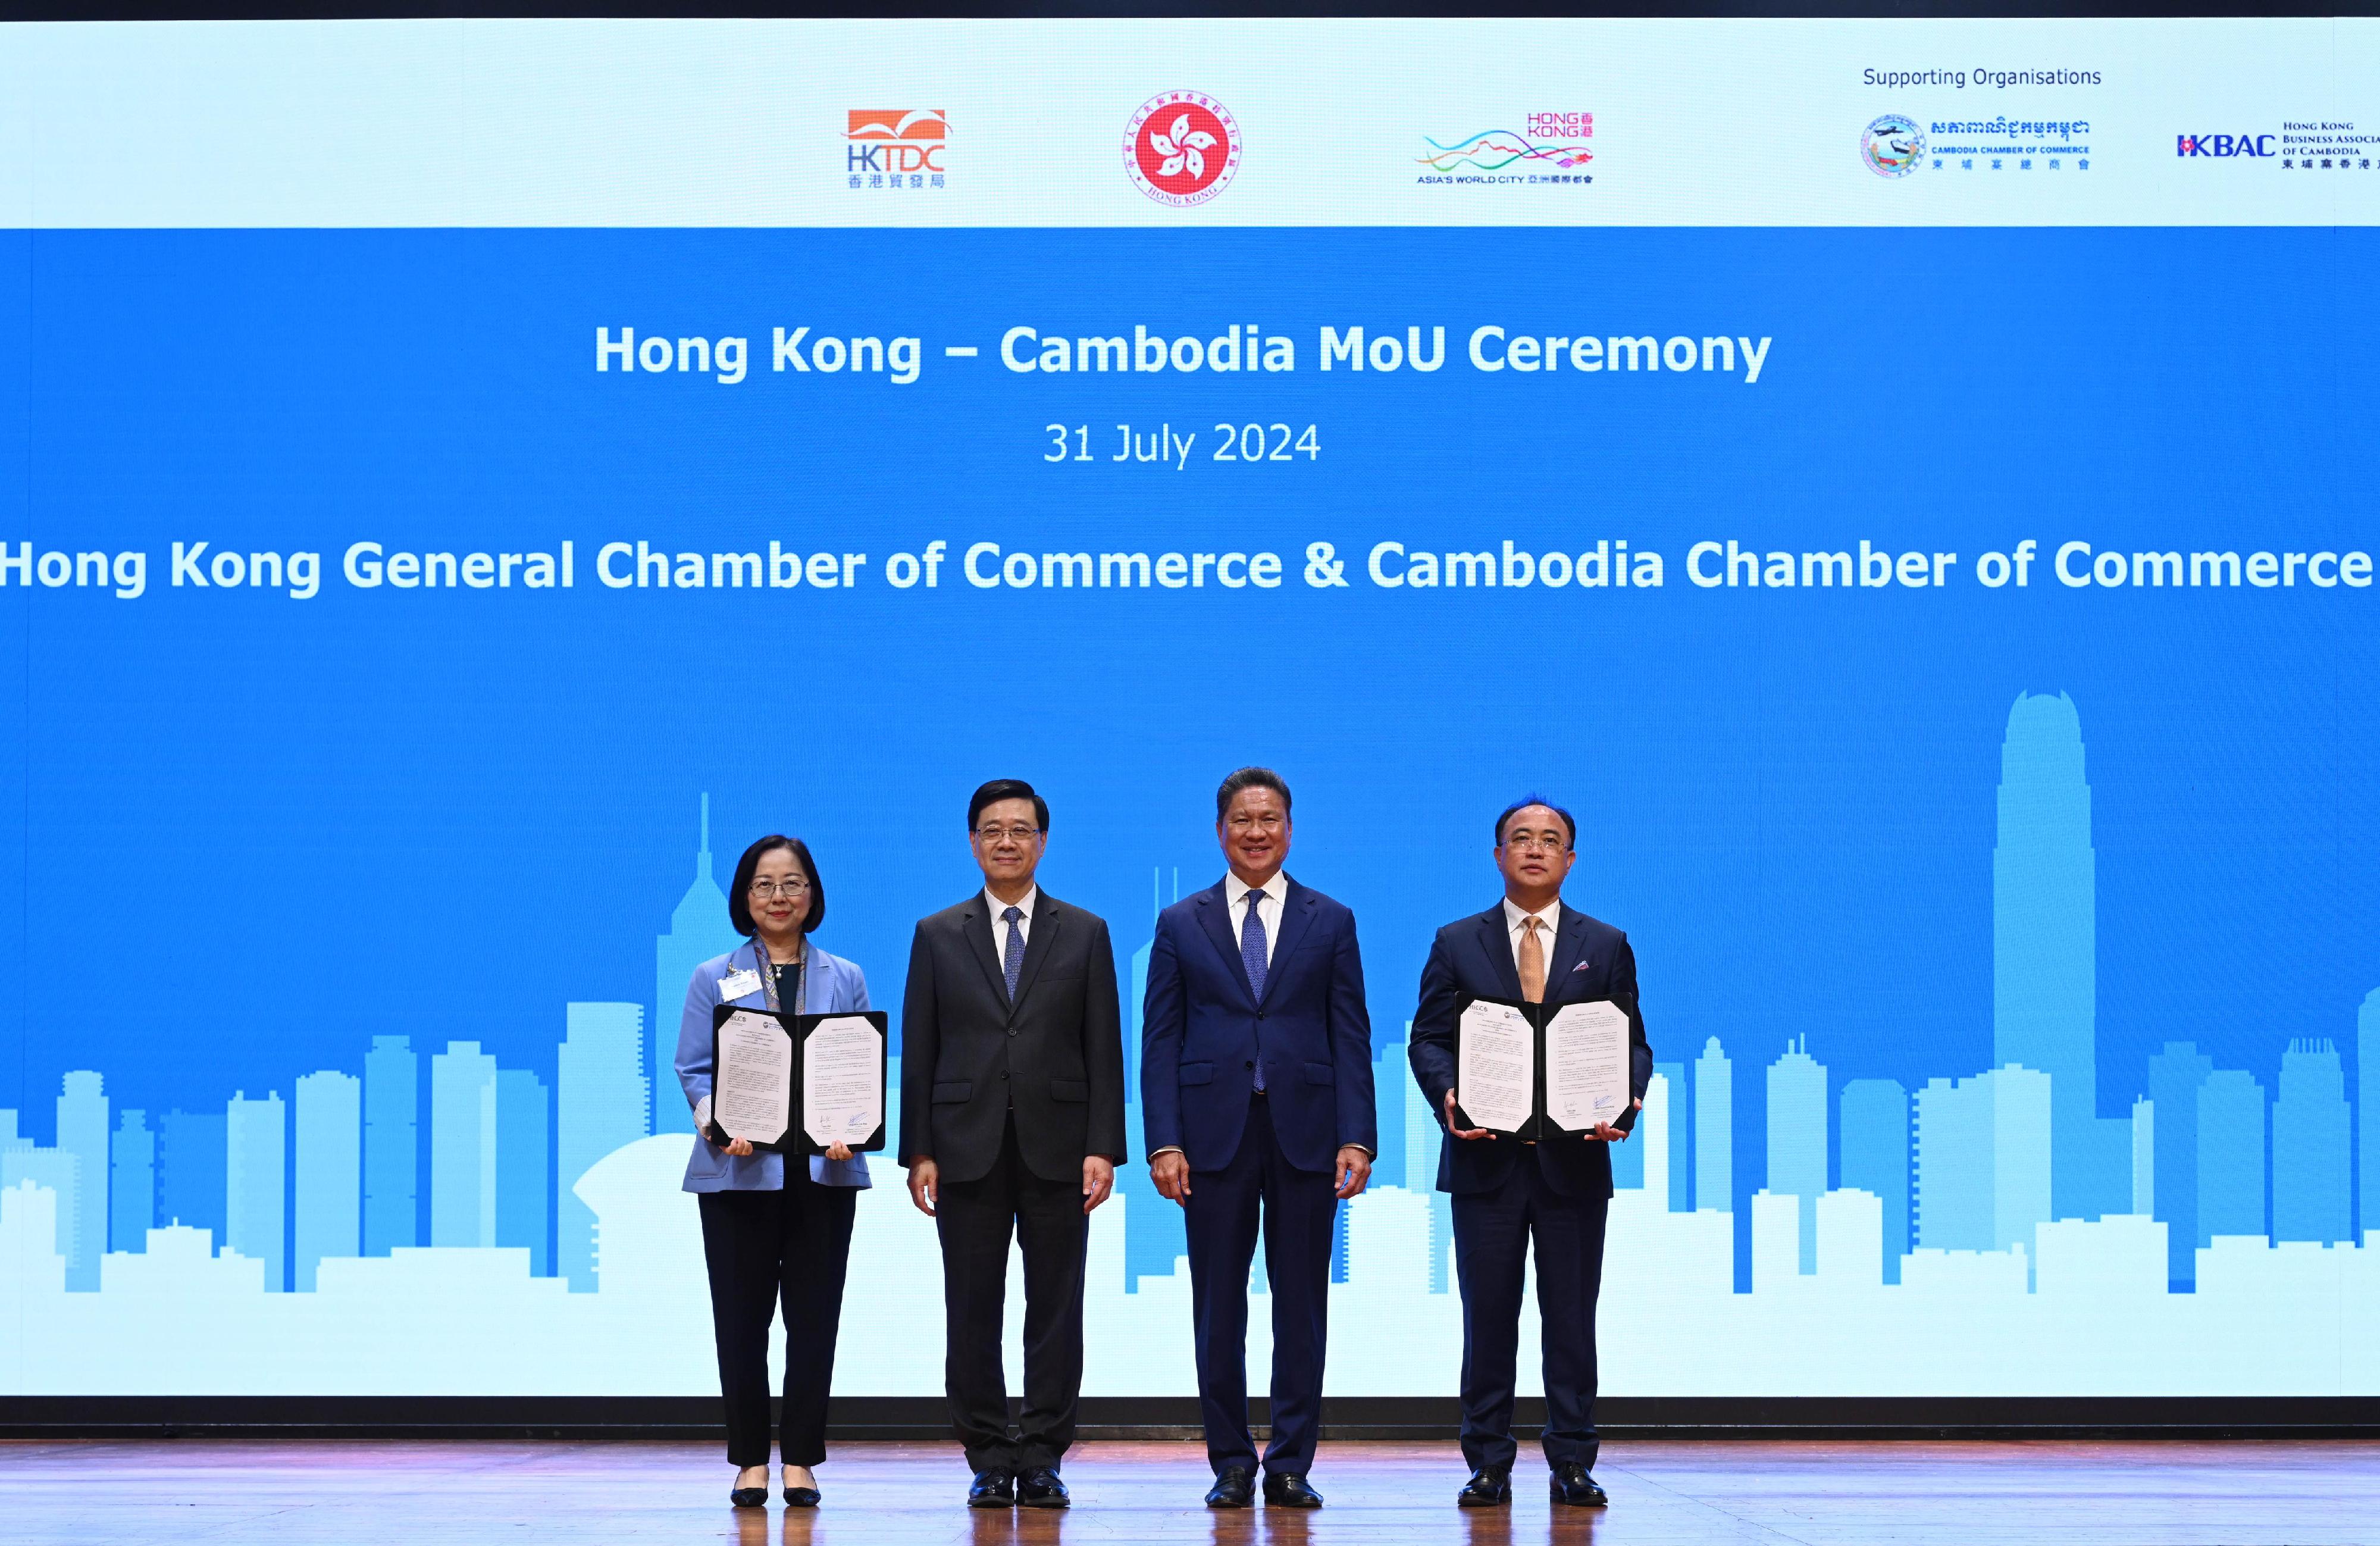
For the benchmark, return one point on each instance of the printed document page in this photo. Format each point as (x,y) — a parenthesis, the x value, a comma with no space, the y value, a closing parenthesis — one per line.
(842,1083)
(1495,1071)
(752,1089)
(1587,1066)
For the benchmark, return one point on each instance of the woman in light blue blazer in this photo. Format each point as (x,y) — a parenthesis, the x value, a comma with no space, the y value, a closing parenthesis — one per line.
(772,1231)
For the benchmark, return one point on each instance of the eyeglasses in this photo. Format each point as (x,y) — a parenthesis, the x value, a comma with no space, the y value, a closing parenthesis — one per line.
(1532,845)
(769,889)
(1014,835)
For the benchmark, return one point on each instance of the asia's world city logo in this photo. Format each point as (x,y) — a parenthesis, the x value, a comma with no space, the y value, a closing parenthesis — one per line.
(1180,148)
(1892,146)
(895,147)
(1550,149)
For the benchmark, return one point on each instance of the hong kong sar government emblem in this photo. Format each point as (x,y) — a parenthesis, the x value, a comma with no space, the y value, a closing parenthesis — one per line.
(1180,148)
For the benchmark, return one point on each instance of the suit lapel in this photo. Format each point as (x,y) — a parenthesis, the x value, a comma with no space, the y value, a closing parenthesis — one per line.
(1498,944)
(976,926)
(1567,947)
(1214,917)
(1297,911)
(1039,941)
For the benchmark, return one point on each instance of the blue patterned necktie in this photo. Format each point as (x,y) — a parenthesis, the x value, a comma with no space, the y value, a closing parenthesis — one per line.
(1252,956)
(1012,955)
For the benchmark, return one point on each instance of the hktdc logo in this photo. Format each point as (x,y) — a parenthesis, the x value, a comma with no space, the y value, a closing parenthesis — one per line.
(1180,148)
(2224,144)
(896,143)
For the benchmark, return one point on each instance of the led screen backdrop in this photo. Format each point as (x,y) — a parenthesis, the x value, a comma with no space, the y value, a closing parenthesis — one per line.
(1907,489)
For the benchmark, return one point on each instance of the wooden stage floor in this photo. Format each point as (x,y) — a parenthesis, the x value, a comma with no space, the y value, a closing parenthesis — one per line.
(468,1494)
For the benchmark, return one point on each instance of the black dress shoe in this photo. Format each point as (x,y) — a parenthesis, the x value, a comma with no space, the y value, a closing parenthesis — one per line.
(1234,1488)
(749,1497)
(1572,1485)
(801,1497)
(1290,1492)
(1040,1488)
(1487,1489)
(992,1489)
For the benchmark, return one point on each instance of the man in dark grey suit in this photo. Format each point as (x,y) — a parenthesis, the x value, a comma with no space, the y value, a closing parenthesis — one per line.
(1011,1118)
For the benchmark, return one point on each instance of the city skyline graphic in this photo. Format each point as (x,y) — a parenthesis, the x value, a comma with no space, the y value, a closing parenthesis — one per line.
(425,1219)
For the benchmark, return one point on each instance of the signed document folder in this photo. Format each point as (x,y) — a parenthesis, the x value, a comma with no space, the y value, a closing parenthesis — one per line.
(797,1083)
(1542,1070)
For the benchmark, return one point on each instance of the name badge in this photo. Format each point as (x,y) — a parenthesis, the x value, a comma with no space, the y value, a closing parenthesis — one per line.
(739,985)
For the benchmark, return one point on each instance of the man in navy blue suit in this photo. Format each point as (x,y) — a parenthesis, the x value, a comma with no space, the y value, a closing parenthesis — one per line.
(1533,947)
(1256,1082)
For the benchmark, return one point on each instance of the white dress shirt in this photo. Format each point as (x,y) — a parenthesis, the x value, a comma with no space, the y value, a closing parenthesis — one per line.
(1552,916)
(1000,926)
(1276,896)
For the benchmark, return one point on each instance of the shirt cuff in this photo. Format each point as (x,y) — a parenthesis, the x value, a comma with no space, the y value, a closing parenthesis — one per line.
(1367,1153)
(1169,1148)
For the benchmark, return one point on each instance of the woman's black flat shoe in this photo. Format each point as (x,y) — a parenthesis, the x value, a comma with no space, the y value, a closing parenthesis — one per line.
(749,1497)
(801,1497)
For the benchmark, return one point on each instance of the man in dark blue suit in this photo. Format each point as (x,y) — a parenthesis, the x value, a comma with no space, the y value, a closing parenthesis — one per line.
(1256,1080)
(1531,947)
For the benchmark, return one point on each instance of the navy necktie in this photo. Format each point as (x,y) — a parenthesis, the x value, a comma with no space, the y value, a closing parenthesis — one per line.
(1252,956)
(1012,955)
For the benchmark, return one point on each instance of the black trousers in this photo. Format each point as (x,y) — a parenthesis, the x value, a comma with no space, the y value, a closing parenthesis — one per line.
(763,1248)
(1297,1209)
(975,1219)
(1492,1233)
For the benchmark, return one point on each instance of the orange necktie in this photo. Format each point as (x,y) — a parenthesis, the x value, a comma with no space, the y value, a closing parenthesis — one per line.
(1532,960)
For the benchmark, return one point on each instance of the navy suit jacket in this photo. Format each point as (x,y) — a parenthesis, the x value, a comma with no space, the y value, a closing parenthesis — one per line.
(1591,960)
(1202,1031)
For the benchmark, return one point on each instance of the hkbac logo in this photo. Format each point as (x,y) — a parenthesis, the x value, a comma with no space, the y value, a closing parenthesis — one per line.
(1180,148)
(2224,144)
(1892,146)
(894,146)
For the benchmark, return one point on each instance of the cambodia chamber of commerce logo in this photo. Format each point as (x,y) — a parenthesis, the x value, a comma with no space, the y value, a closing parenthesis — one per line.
(1552,149)
(1892,146)
(2004,144)
(1180,148)
(895,147)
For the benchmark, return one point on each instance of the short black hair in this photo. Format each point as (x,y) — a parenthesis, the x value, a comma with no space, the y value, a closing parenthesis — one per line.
(1523,804)
(1008,789)
(1249,778)
(739,911)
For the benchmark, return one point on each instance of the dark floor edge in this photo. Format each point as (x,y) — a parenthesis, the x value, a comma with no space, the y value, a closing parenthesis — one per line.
(1417,1418)
(1610,1433)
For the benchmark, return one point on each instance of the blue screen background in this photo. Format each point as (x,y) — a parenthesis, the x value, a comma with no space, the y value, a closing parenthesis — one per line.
(240,834)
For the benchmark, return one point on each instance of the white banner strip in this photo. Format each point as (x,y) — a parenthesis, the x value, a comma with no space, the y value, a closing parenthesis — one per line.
(1306,122)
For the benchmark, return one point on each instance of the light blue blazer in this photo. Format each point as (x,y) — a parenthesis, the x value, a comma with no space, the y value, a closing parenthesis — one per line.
(834,985)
